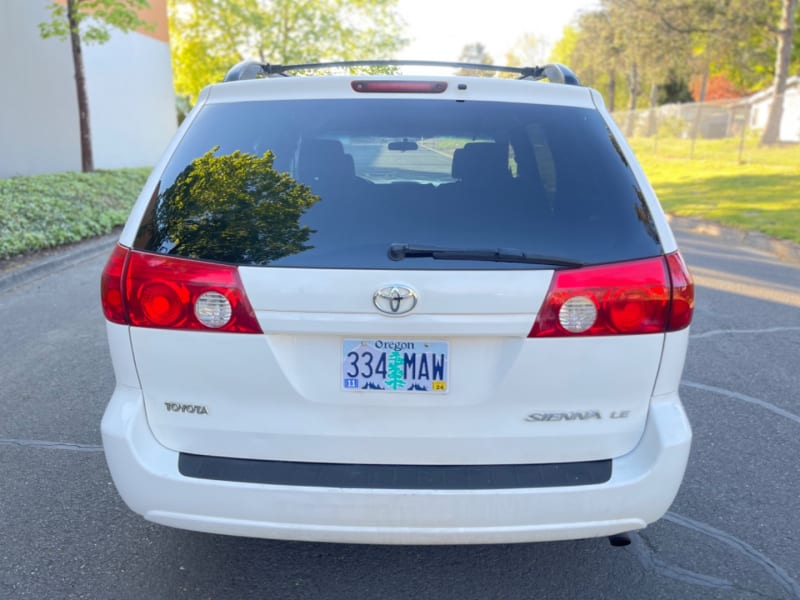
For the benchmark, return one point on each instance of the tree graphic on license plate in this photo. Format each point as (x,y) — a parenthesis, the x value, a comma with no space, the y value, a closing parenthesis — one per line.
(394,369)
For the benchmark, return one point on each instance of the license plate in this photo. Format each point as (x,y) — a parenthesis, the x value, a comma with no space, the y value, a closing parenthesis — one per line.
(395,365)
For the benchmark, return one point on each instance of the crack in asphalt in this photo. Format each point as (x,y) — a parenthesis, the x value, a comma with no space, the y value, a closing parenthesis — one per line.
(50,445)
(715,332)
(744,398)
(775,571)
(651,563)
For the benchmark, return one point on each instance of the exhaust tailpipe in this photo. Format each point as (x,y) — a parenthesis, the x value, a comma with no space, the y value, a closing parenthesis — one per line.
(618,540)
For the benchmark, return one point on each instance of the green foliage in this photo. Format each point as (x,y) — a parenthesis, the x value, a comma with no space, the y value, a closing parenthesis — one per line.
(209,36)
(94,19)
(528,50)
(44,211)
(565,46)
(233,208)
(674,90)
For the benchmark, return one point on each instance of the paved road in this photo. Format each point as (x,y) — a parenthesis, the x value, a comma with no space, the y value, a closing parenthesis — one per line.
(733,531)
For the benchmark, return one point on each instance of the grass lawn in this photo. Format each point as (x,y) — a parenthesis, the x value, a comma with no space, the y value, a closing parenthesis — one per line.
(43,211)
(762,193)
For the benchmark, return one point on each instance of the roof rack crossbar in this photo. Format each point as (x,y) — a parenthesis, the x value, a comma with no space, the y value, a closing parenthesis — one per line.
(555,72)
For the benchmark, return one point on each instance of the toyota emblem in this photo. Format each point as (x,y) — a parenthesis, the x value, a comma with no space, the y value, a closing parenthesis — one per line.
(395,299)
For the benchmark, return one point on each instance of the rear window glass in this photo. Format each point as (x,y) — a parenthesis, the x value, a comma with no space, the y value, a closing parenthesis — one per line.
(334,183)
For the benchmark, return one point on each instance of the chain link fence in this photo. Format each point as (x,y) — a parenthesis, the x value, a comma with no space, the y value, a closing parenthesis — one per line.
(725,129)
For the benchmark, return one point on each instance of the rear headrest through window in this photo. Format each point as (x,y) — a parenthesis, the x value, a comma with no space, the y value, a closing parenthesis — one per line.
(323,160)
(480,160)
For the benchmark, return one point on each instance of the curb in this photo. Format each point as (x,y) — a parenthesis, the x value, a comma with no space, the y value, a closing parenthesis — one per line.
(35,266)
(782,249)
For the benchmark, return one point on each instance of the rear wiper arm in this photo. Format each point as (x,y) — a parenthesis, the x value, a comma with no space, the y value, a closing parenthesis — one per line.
(403,251)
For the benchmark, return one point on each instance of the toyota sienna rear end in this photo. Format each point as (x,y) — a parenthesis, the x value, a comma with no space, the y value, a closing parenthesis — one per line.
(393,309)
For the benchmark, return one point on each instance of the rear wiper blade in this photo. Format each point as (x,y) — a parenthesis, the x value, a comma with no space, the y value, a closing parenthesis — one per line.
(403,251)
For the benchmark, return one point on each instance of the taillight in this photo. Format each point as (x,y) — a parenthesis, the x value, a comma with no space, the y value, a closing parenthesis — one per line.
(682,293)
(175,293)
(645,296)
(111,293)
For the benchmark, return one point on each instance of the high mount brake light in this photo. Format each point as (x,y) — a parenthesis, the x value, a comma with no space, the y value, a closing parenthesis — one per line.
(399,87)
(645,296)
(151,290)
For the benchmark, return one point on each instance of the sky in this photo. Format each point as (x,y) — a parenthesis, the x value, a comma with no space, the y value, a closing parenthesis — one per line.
(441,28)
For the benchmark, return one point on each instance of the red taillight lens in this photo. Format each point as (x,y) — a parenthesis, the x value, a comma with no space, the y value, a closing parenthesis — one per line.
(399,87)
(162,304)
(682,293)
(169,293)
(627,298)
(111,293)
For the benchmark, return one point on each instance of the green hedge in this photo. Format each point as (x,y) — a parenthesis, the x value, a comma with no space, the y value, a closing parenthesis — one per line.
(43,211)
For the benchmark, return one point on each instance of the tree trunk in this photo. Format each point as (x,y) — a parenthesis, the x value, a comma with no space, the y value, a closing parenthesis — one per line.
(700,101)
(652,117)
(633,88)
(783,57)
(87,162)
(612,90)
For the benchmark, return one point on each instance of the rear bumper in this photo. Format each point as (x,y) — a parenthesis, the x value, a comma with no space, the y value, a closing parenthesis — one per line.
(642,486)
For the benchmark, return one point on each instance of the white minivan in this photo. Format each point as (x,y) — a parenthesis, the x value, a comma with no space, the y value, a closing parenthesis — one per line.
(395,309)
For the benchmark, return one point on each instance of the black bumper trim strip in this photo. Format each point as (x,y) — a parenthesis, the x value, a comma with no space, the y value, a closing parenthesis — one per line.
(403,477)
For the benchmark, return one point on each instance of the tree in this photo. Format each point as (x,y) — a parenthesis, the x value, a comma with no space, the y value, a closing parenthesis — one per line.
(529,50)
(90,22)
(564,48)
(233,208)
(656,44)
(785,36)
(477,54)
(733,37)
(594,52)
(718,87)
(209,36)
(675,90)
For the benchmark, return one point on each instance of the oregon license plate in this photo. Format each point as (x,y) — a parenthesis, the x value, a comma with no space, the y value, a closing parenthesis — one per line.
(395,365)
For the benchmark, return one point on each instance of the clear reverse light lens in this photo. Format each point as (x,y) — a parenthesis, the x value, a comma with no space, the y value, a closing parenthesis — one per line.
(577,314)
(213,310)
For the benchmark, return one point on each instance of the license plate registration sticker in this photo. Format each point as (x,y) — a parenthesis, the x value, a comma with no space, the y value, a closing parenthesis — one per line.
(395,365)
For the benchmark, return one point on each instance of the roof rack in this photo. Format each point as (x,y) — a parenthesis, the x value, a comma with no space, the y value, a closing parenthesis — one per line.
(250,69)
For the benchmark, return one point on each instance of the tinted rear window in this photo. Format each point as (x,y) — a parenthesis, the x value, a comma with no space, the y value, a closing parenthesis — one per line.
(332,183)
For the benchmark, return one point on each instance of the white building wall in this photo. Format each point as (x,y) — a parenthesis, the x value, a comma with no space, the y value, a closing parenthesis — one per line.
(131,100)
(790,123)
(129,84)
(38,108)
(761,102)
